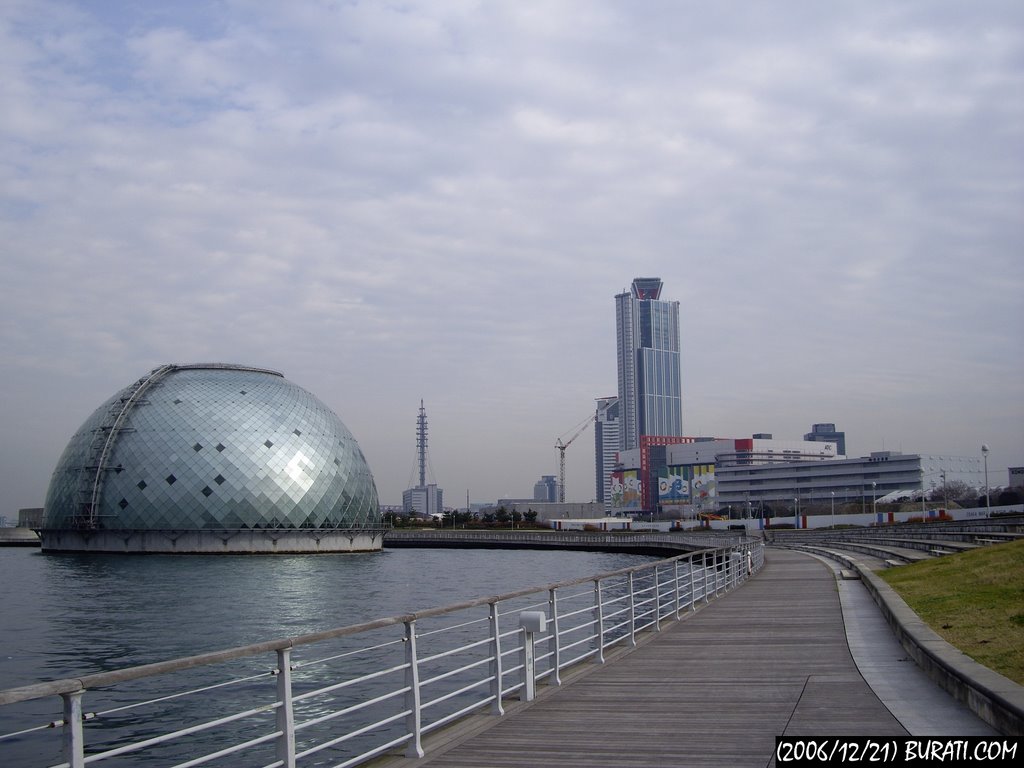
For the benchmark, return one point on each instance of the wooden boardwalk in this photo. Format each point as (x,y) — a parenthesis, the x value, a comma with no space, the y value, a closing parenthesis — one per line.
(712,690)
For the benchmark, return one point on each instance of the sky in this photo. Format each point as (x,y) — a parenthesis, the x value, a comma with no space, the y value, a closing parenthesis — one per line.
(392,202)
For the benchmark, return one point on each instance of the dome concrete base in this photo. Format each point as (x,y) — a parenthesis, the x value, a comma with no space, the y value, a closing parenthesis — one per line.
(213,542)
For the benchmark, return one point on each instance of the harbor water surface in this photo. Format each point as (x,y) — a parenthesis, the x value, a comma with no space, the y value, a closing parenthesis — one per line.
(69,615)
(66,615)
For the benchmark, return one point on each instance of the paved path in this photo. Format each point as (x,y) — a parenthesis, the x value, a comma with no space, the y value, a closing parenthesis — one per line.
(920,706)
(713,690)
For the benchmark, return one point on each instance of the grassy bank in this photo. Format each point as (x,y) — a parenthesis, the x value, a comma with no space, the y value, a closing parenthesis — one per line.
(974,600)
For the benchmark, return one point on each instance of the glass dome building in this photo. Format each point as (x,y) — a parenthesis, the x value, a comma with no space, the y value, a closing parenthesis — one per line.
(212,458)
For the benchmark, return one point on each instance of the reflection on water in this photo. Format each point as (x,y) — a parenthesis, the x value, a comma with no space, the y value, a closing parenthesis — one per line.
(67,615)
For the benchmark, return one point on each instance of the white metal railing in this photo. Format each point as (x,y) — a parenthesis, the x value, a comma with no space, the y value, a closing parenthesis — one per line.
(360,691)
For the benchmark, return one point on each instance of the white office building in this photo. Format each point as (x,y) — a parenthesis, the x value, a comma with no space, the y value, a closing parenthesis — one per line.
(606,447)
(802,483)
(423,500)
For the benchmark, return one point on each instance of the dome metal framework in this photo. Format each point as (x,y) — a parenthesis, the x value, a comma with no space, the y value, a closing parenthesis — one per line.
(189,457)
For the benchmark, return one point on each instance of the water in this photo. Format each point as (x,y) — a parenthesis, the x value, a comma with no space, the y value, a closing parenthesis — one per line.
(67,615)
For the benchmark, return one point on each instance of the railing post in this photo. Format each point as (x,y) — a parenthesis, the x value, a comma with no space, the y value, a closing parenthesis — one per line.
(675,584)
(657,601)
(599,620)
(285,710)
(632,610)
(496,673)
(74,739)
(412,694)
(531,623)
(705,570)
(556,641)
(693,588)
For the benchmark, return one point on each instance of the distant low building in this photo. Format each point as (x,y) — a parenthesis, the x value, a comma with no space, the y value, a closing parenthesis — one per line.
(681,476)
(30,517)
(549,510)
(592,524)
(862,480)
(423,500)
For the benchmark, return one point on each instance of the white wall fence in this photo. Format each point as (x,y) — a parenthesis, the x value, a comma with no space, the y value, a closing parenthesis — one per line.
(827,520)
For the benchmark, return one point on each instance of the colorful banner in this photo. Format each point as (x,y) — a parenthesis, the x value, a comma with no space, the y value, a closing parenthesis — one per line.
(703,486)
(673,486)
(626,489)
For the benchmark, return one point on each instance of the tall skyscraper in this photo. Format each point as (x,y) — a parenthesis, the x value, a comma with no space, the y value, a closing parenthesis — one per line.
(826,433)
(647,343)
(546,489)
(606,446)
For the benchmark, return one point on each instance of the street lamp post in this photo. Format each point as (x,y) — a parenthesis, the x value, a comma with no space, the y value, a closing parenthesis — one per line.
(945,496)
(833,510)
(796,512)
(984,455)
(874,499)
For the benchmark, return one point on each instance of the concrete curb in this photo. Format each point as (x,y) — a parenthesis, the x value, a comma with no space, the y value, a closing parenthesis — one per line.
(994,698)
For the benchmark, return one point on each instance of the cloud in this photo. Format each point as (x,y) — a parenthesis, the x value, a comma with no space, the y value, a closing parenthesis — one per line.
(391,201)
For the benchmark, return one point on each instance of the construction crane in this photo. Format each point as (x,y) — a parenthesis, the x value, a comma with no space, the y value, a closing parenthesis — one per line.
(579,428)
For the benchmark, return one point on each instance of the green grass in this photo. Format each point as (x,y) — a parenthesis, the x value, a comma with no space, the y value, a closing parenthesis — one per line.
(974,600)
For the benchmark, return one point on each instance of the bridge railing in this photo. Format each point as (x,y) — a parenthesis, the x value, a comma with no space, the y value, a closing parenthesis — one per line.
(344,696)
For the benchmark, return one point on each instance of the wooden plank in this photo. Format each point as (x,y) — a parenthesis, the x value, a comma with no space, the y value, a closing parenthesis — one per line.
(715,689)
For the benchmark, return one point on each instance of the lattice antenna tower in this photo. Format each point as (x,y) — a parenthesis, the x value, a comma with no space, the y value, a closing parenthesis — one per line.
(421,444)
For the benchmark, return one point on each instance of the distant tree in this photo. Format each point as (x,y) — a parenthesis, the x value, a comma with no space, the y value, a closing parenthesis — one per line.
(501,515)
(530,516)
(955,491)
(1009,496)
(488,518)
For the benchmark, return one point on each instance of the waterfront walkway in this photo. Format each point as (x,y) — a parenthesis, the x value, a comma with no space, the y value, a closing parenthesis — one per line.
(715,689)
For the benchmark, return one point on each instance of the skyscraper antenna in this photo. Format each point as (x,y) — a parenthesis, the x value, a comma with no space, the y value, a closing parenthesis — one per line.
(421,444)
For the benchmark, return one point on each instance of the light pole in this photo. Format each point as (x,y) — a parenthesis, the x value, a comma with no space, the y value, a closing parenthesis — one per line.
(874,499)
(833,510)
(945,496)
(984,455)
(796,513)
